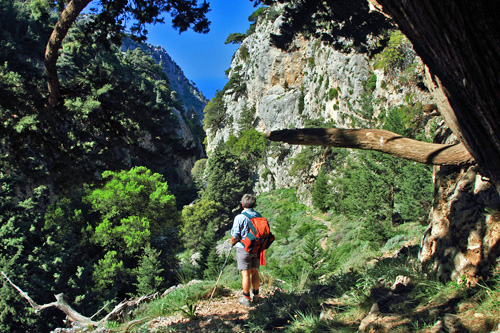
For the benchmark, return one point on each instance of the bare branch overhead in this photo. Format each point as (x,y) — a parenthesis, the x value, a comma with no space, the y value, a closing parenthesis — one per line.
(378,140)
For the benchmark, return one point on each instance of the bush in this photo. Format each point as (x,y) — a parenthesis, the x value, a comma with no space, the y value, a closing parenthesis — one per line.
(397,56)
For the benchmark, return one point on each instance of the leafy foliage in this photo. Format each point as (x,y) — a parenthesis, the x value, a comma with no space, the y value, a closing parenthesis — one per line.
(198,173)
(228,177)
(302,161)
(320,192)
(197,219)
(235,38)
(149,271)
(247,119)
(325,19)
(236,82)
(250,145)
(398,55)
(112,15)
(136,211)
(21,222)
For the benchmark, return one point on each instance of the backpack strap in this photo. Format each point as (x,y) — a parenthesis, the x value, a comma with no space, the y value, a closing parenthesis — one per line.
(250,218)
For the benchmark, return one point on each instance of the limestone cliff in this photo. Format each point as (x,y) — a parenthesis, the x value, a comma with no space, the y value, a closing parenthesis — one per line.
(184,148)
(311,83)
(308,85)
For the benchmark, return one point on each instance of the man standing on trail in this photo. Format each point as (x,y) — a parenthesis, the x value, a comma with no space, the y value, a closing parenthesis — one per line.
(248,263)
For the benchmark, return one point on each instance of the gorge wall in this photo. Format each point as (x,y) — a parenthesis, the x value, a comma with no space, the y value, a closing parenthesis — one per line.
(312,83)
(308,85)
(181,147)
(192,99)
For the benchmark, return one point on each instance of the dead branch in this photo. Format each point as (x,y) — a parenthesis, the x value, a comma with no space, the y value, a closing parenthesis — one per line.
(60,303)
(378,140)
(128,305)
(25,295)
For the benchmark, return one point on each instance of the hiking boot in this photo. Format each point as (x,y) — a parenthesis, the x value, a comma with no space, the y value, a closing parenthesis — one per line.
(256,299)
(245,301)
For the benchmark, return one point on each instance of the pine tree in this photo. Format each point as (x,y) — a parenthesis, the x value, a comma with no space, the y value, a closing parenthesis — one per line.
(207,244)
(229,178)
(136,210)
(149,272)
(320,192)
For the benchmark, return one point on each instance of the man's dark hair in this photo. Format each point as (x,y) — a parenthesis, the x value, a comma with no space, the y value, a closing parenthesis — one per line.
(248,201)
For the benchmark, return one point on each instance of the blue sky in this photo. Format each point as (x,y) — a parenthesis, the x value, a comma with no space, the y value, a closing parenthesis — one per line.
(204,57)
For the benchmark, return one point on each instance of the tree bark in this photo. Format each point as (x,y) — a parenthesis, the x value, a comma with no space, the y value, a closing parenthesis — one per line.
(67,18)
(378,140)
(458,41)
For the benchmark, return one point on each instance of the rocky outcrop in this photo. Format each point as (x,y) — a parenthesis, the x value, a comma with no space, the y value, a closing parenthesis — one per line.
(311,83)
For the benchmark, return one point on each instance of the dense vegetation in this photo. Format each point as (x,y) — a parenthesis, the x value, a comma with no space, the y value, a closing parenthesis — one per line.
(91,206)
(85,208)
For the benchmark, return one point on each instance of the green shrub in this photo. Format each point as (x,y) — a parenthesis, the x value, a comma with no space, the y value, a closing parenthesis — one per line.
(302,162)
(397,56)
(244,54)
(332,94)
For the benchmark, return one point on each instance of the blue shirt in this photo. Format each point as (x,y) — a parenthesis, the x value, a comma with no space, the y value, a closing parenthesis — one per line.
(240,225)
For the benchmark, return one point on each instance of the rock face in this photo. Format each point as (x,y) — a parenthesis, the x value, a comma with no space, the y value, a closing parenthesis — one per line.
(464,232)
(183,148)
(461,242)
(312,83)
(308,85)
(192,99)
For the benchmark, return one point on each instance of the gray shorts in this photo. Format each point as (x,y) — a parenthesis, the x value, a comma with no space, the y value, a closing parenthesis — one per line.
(247,260)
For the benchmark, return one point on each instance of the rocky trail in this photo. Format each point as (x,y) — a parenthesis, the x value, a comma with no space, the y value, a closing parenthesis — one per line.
(223,314)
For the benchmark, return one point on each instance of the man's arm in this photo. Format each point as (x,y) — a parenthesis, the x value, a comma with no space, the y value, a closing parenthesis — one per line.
(236,230)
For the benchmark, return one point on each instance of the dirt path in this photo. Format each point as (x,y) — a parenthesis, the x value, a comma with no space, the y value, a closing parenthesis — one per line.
(223,314)
(331,230)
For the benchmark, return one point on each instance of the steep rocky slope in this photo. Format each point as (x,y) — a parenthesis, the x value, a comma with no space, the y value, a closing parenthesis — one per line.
(308,85)
(192,99)
(311,84)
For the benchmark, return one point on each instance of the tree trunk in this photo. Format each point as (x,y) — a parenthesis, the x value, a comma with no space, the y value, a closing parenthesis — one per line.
(67,18)
(458,41)
(379,140)
(463,237)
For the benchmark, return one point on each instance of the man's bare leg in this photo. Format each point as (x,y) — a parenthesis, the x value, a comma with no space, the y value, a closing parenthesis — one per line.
(255,279)
(246,280)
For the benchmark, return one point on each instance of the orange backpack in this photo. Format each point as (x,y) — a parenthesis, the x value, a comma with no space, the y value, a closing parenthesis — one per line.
(259,236)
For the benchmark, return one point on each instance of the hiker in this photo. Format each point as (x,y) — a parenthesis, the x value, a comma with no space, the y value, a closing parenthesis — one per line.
(248,263)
